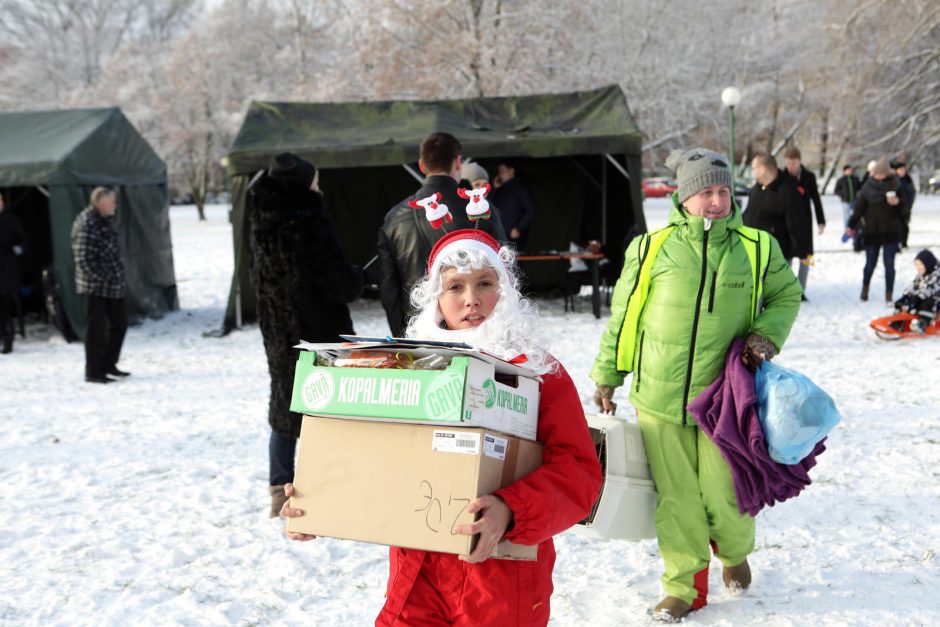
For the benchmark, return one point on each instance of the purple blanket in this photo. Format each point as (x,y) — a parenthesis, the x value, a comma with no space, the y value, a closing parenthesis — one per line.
(727,412)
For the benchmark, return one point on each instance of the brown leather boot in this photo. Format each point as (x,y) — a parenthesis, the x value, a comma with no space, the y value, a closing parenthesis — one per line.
(864,292)
(889,296)
(737,578)
(277,500)
(671,610)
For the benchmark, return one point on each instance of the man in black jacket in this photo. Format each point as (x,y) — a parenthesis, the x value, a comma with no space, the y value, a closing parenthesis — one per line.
(774,206)
(846,189)
(99,275)
(909,191)
(514,200)
(809,193)
(406,237)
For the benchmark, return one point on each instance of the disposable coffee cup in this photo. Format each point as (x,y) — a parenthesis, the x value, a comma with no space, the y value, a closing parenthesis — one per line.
(891,194)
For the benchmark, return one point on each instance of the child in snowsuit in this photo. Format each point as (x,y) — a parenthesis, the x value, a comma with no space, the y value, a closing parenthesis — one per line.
(471,294)
(922,296)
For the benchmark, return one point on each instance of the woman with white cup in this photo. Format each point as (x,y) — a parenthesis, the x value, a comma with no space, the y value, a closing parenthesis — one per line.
(878,212)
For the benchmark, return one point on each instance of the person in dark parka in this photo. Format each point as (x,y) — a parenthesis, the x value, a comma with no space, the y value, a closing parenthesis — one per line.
(13,243)
(406,238)
(303,280)
(880,204)
(515,203)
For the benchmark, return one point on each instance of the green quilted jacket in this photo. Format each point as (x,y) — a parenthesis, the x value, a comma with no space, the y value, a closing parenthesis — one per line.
(698,302)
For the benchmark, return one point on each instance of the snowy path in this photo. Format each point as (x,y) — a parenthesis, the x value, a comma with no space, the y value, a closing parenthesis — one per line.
(145,502)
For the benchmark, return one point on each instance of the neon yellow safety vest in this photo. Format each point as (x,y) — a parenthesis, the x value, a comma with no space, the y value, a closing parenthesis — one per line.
(756,244)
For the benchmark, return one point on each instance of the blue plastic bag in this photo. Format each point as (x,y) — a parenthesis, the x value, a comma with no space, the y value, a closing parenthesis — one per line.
(794,413)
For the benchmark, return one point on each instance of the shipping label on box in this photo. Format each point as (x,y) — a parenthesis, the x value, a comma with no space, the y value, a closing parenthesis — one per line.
(403,484)
(466,392)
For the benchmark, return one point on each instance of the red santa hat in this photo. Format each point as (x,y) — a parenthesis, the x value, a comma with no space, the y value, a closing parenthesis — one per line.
(465,239)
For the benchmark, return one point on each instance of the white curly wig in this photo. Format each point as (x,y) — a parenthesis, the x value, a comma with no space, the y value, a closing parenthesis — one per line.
(510,330)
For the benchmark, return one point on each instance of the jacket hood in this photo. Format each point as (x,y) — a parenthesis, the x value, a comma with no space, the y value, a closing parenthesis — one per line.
(926,257)
(874,190)
(680,217)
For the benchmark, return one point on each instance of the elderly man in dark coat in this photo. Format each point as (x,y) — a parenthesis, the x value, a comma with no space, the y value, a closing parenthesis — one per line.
(99,275)
(303,279)
(12,244)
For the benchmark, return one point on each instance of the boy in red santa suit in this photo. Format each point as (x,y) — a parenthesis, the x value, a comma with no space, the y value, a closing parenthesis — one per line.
(471,294)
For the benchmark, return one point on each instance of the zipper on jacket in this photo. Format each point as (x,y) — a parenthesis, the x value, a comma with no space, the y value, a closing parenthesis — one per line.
(711,293)
(698,306)
(639,362)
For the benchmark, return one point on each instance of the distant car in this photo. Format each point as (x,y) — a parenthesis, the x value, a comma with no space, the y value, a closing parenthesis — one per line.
(658,186)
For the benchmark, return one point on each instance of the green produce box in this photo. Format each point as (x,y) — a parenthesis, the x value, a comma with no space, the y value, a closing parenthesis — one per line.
(464,394)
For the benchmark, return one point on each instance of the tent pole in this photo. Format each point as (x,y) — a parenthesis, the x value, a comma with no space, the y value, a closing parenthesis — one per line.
(586,174)
(604,201)
(618,166)
(238,305)
(410,170)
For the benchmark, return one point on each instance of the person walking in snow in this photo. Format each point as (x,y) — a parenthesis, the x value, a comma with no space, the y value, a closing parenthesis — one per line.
(879,207)
(470,294)
(303,280)
(805,182)
(405,238)
(685,293)
(846,188)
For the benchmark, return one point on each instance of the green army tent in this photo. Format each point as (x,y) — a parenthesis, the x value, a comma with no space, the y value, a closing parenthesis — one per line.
(579,153)
(49,163)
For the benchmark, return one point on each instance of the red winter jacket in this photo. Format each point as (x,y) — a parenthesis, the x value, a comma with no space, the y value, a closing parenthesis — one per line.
(427,587)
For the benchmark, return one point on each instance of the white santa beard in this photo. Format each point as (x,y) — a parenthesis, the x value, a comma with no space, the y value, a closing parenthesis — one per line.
(506,333)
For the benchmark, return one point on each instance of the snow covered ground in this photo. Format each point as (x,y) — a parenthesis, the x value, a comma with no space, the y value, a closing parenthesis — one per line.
(145,502)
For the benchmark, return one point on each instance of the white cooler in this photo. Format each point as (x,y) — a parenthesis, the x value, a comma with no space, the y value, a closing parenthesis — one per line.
(627,502)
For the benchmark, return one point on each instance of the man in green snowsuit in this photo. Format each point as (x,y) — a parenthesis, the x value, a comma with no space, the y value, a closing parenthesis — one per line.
(685,293)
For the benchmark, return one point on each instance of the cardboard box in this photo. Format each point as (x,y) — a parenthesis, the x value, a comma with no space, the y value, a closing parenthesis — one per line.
(403,484)
(466,393)
(626,506)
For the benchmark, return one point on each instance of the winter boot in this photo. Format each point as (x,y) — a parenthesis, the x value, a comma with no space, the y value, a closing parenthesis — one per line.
(277,500)
(889,296)
(671,610)
(7,344)
(864,292)
(737,578)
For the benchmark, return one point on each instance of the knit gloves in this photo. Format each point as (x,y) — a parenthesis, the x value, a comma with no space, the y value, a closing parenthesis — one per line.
(756,349)
(602,393)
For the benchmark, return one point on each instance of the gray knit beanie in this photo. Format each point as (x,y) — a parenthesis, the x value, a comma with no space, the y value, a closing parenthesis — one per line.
(473,171)
(697,169)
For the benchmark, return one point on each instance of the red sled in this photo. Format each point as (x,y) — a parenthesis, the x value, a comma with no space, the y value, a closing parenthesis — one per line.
(898,327)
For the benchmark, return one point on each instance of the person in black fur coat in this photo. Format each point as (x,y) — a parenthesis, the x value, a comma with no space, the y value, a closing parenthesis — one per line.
(303,280)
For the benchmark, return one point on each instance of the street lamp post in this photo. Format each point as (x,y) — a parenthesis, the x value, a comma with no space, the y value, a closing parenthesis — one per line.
(730,97)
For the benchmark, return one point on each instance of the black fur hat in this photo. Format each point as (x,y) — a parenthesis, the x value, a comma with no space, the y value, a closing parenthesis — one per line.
(291,169)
